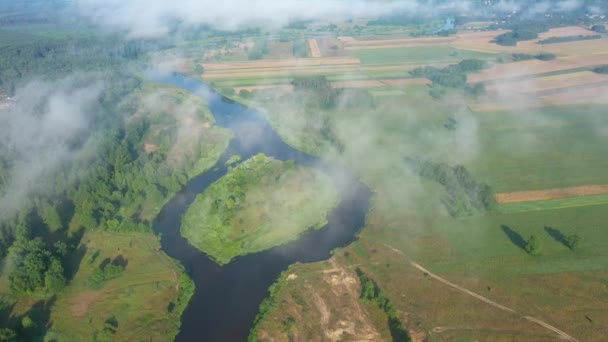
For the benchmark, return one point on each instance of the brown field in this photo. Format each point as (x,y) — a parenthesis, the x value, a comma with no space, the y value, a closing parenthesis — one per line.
(543,195)
(550,82)
(285,63)
(315,52)
(532,67)
(565,32)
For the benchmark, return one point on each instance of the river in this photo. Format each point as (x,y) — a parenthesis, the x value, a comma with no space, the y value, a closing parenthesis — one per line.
(226,300)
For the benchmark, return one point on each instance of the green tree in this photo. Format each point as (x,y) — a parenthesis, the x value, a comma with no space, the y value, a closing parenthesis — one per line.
(533,245)
(572,241)
(598,28)
(54,278)
(7,334)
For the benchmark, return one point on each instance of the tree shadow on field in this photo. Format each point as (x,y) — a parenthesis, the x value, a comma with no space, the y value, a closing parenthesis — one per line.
(557,235)
(514,236)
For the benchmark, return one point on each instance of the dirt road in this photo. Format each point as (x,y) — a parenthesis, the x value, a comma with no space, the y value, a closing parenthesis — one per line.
(561,334)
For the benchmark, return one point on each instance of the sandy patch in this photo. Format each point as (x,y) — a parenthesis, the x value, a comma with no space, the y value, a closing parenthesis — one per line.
(542,195)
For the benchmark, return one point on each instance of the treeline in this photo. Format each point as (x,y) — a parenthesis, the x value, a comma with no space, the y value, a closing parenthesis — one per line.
(554,40)
(527,29)
(544,56)
(371,293)
(601,69)
(24,55)
(453,76)
(464,194)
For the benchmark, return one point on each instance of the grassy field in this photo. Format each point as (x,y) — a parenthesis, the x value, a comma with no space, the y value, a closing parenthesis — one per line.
(144,302)
(413,55)
(546,148)
(258,204)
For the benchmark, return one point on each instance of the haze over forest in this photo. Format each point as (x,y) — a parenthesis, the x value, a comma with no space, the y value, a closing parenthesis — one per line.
(404,170)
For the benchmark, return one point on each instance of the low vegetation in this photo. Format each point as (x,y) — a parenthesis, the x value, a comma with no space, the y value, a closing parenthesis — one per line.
(259,204)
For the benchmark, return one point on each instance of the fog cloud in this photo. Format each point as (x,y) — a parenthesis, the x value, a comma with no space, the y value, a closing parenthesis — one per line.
(154,18)
(38,132)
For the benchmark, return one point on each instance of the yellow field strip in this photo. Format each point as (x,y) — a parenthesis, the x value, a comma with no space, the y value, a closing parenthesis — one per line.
(543,195)
(315,52)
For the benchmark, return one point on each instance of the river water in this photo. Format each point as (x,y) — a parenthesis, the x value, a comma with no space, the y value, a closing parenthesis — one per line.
(226,300)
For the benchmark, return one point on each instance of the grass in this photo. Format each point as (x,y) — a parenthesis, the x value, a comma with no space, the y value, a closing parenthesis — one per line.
(429,55)
(259,204)
(138,300)
(536,149)
(562,203)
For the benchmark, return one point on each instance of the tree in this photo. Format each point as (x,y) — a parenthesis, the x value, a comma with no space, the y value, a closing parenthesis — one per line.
(54,278)
(532,245)
(572,241)
(7,334)
(598,28)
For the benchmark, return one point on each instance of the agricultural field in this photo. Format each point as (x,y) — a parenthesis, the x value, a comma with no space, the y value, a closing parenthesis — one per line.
(526,134)
(258,204)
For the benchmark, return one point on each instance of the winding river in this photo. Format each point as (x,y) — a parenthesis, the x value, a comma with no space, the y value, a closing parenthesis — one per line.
(226,300)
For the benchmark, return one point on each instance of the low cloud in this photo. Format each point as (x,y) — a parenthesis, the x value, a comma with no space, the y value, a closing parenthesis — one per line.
(154,18)
(39,129)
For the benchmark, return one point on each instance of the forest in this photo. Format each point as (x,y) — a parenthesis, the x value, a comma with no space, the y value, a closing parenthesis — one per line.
(464,195)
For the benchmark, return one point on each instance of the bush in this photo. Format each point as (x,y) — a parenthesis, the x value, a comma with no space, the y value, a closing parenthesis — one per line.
(532,245)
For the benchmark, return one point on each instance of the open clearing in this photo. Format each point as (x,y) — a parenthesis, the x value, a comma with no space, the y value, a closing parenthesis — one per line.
(542,195)
(137,299)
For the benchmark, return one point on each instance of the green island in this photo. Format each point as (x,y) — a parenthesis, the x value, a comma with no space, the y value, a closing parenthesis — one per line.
(259,204)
